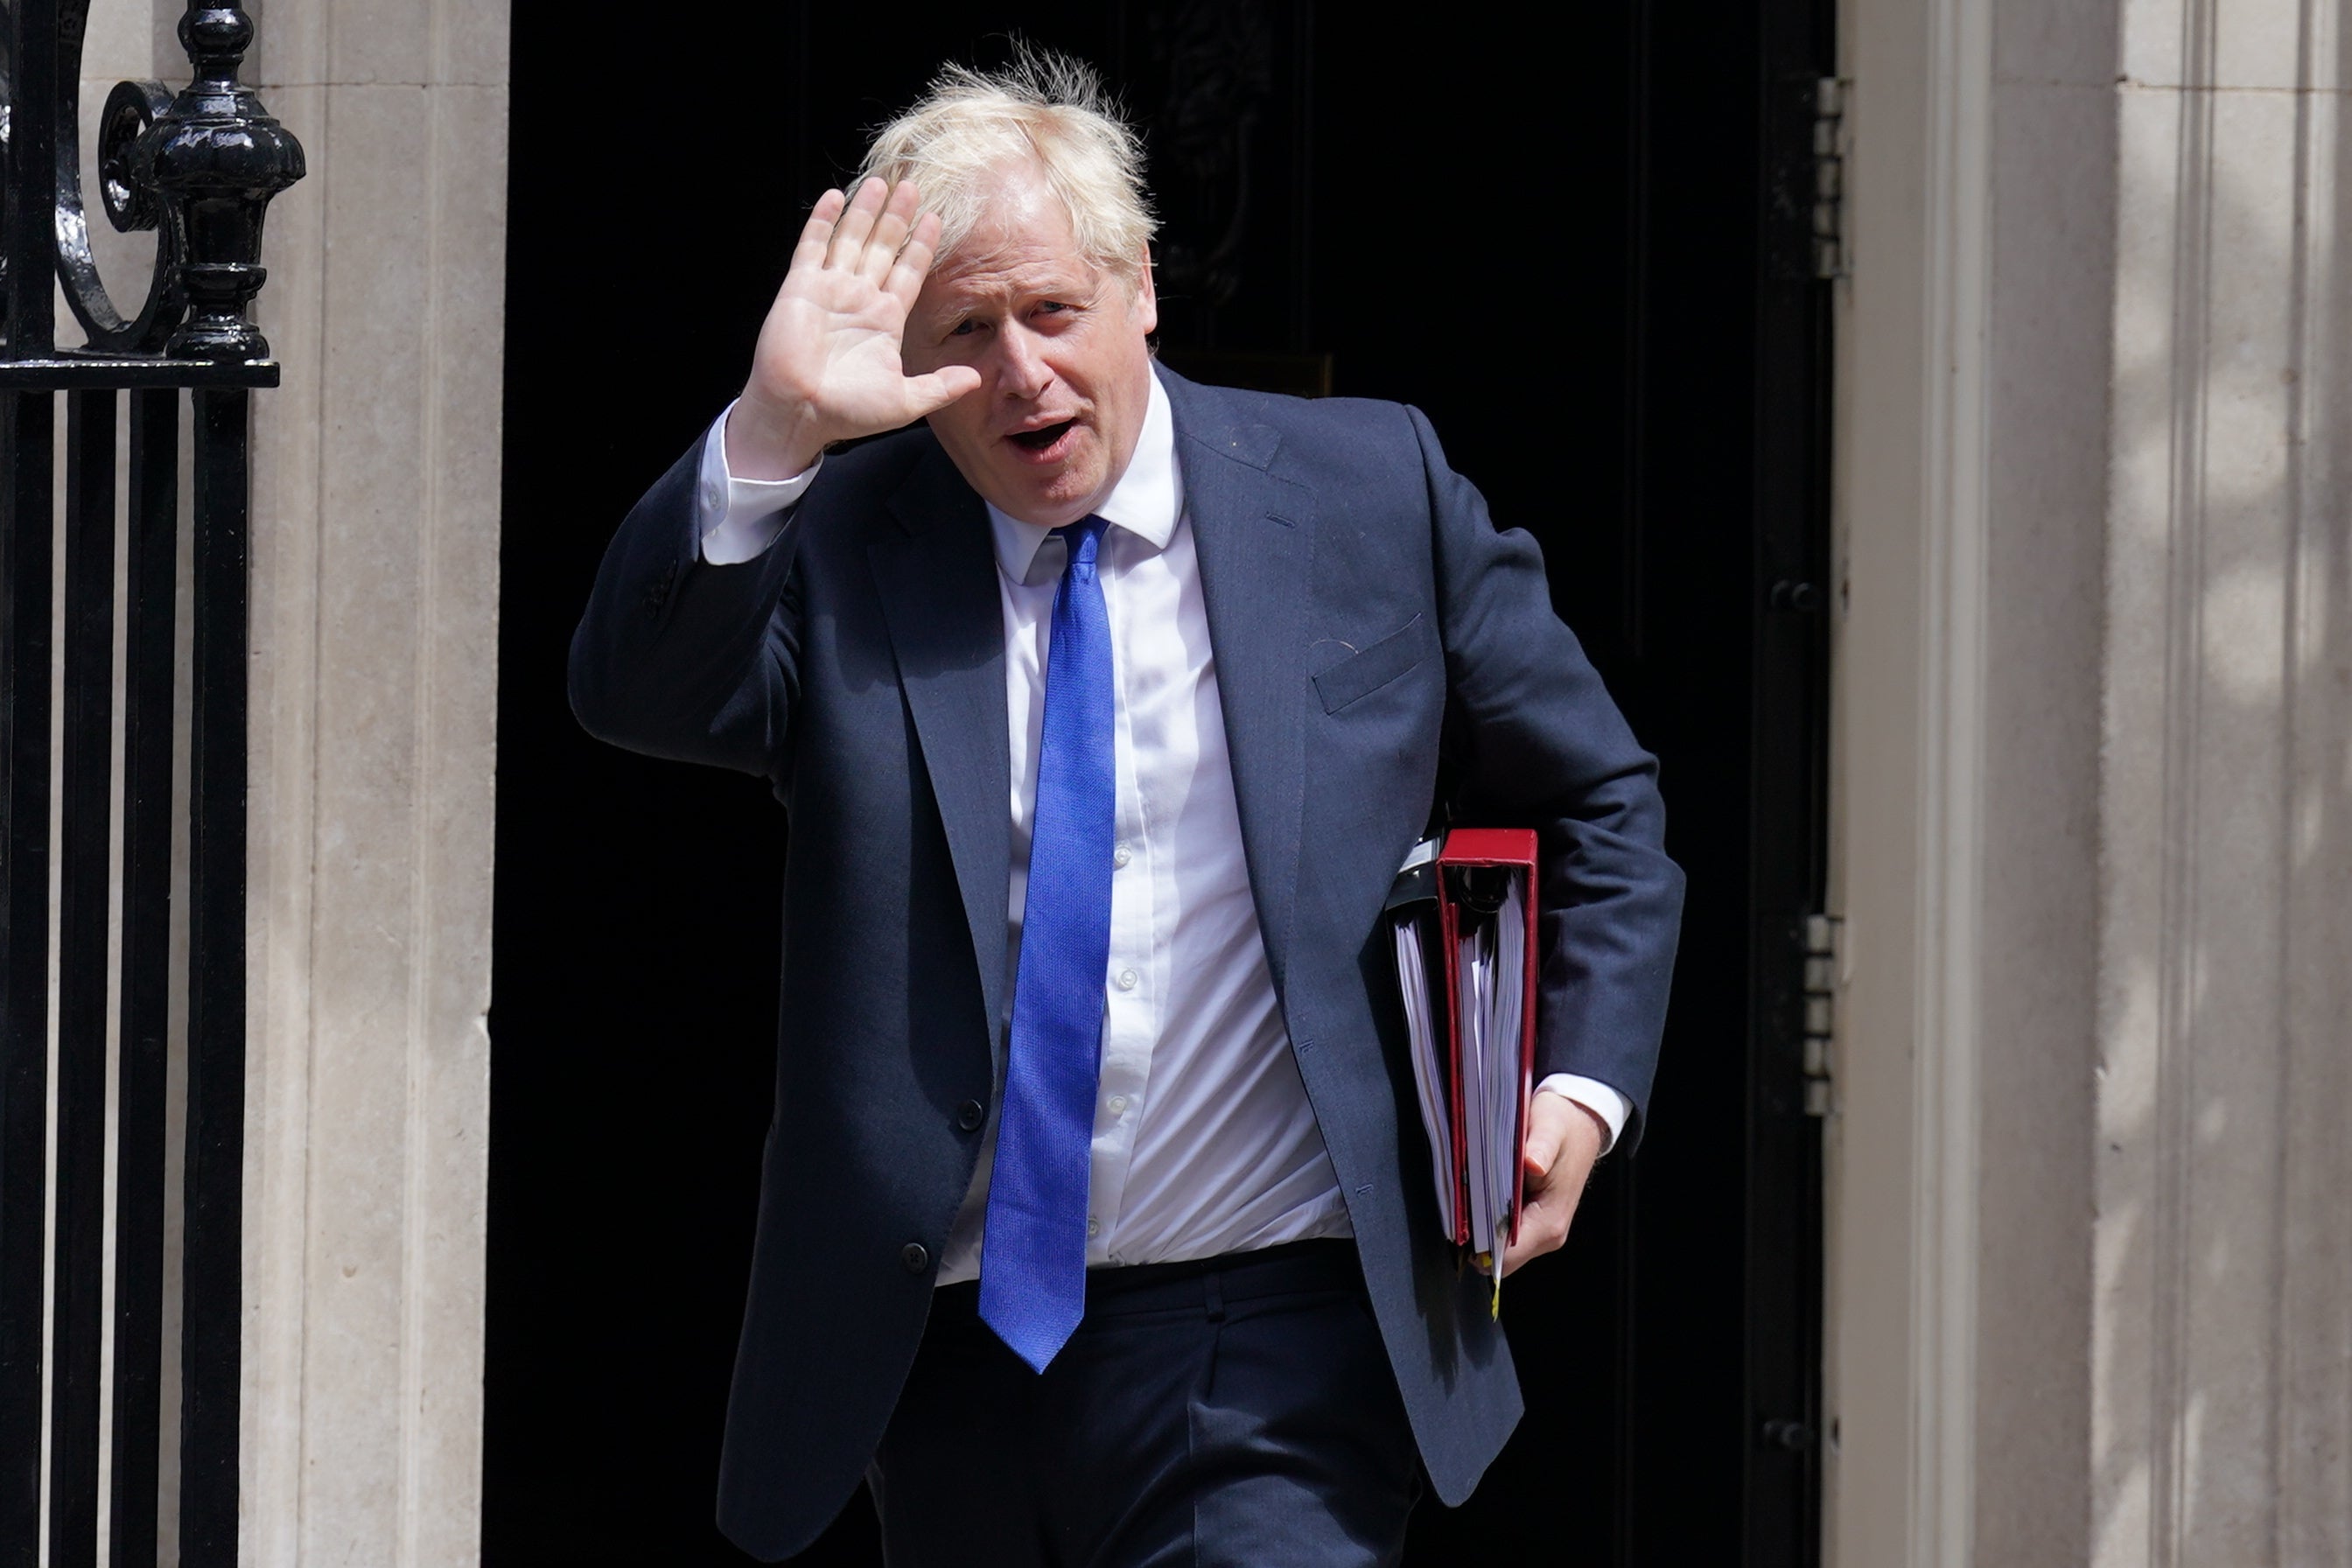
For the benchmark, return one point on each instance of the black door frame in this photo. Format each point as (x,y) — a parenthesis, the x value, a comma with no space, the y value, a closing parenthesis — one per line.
(1767,437)
(1788,861)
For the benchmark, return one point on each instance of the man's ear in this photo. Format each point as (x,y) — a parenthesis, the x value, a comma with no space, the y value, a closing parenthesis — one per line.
(1146,304)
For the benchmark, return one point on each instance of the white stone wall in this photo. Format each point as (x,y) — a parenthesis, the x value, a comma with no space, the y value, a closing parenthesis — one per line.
(2222,1368)
(2050,232)
(375,622)
(2091,1207)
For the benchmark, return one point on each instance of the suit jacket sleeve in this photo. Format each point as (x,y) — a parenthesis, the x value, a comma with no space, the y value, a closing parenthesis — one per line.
(1535,740)
(677,658)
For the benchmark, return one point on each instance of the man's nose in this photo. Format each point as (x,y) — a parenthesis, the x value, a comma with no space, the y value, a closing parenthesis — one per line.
(1021,371)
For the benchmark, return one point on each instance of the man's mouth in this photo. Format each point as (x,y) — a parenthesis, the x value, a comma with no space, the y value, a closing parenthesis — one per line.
(1044,440)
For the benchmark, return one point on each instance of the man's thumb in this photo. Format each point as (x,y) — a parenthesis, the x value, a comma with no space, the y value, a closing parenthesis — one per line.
(1543,1148)
(943,386)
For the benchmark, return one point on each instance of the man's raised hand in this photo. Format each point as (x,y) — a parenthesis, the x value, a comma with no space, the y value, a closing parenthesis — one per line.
(827,367)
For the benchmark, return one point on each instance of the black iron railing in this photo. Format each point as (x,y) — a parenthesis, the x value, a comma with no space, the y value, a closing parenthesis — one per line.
(200,166)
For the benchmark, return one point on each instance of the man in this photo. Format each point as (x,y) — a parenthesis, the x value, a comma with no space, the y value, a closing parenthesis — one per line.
(1105,706)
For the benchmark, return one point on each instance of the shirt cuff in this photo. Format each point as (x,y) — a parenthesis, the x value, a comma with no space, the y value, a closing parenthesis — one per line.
(1596,1096)
(737,520)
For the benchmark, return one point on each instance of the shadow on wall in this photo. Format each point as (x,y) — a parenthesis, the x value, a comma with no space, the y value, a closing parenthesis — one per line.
(2222,1339)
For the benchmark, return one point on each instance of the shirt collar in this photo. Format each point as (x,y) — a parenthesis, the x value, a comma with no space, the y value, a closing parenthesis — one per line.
(1146,501)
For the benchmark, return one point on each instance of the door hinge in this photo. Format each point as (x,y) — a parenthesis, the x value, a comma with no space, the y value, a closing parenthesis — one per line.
(1830,255)
(1822,942)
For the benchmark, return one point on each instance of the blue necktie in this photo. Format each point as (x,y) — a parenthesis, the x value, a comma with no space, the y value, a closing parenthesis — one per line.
(1032,1272)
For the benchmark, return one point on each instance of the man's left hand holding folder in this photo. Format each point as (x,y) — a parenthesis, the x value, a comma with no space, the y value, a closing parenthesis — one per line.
(1564,1140)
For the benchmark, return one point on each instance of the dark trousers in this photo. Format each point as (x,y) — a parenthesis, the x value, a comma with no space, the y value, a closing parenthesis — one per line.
(1236,1413)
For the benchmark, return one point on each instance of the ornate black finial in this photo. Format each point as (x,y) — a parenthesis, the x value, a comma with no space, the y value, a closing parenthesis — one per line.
(215,158)
(216,37)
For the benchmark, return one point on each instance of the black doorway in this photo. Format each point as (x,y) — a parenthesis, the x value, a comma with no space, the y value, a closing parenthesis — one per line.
(1619,339)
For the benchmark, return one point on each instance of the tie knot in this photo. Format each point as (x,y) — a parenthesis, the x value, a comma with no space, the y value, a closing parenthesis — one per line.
(1083,539)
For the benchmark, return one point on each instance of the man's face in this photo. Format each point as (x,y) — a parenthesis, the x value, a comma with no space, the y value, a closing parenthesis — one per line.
(1065,373)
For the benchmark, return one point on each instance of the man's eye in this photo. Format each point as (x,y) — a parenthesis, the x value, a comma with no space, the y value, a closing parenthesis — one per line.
(963,329)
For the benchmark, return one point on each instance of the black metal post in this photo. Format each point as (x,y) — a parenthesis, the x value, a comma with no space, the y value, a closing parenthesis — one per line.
(216,1170)
(30,212)
(150,672)
(85,852)
(27,429)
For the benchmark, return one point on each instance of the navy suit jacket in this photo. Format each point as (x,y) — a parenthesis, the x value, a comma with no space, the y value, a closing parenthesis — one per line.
(1364,615)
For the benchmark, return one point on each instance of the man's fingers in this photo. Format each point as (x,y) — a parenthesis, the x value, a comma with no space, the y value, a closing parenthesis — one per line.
(915,259)
(857,223)
(817,233)
(1525,1251)
(889,233)
(1543,1228)
(928,393)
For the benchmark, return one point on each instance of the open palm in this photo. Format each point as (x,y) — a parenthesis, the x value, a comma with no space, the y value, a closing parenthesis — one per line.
(828,365)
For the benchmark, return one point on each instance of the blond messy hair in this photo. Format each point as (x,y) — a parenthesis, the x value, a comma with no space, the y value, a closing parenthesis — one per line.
(1044,109)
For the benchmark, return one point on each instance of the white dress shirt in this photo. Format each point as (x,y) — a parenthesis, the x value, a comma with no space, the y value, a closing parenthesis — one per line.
(1204,1141)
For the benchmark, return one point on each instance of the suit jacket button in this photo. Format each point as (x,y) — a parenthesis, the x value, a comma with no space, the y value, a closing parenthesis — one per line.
(970,1114)
(915,1256)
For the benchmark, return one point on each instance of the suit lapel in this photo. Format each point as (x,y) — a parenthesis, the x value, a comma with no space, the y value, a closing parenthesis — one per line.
(1254,535)
(937,580)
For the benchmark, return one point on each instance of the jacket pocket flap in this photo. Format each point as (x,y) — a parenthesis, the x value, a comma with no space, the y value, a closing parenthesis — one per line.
(1374,665)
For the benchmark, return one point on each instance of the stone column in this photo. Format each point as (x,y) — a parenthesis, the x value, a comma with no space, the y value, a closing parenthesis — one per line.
(2221,1412)
(2048,350)
(2090,1205)
(376,619)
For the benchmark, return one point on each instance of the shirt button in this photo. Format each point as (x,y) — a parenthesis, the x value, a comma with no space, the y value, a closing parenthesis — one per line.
(1094,1226)
(1126,979)
(969,1115)
(1118,1105)
(1121,856)
(915,1256)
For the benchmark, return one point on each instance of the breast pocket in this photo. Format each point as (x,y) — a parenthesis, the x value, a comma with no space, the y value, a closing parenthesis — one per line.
(1374,665)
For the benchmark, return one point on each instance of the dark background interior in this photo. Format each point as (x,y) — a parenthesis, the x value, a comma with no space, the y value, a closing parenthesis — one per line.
(1552,234)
